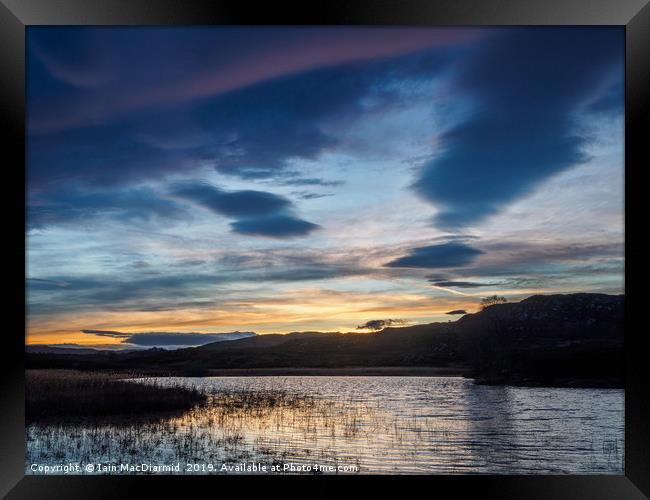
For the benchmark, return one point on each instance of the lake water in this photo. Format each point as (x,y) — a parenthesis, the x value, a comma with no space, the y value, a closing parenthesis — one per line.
(369,425)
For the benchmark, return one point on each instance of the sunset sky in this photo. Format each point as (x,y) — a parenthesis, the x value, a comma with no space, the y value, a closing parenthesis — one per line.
(288,179)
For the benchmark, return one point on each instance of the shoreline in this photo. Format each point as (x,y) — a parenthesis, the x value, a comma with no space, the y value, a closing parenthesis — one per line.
(401,371)
(369,371)
(398,371)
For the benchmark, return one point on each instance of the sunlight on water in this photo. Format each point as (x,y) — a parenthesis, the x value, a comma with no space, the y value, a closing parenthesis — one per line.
(377,424)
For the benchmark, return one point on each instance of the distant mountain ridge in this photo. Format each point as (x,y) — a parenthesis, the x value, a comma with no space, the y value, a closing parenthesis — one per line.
(61,349)
(143,340)
(574,339)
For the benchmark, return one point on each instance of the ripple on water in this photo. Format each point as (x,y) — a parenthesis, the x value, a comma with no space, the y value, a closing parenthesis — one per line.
(380,424)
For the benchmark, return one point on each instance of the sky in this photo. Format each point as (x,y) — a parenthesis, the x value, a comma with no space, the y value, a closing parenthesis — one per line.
(278,179)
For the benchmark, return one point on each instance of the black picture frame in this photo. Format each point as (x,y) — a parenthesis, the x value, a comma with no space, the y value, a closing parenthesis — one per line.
(16,15)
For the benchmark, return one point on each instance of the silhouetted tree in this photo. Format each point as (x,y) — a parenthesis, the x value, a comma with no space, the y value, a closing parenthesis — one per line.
(492,300)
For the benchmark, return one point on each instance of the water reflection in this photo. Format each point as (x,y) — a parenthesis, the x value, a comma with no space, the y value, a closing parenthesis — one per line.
(379,424)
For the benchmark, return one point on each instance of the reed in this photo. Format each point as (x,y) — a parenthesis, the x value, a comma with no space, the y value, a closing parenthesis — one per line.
(70,394)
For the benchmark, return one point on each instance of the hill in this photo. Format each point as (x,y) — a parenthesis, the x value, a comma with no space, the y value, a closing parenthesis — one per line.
(574,339)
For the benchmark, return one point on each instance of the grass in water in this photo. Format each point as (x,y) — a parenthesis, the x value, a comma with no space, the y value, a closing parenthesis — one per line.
(59,394)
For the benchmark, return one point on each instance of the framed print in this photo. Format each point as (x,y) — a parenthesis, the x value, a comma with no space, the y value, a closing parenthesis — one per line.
(362,242)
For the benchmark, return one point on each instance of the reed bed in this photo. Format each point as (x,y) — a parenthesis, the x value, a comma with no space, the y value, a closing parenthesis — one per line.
(69,394)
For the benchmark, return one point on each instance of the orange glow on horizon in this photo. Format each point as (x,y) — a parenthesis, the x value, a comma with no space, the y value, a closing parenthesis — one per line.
(298,310)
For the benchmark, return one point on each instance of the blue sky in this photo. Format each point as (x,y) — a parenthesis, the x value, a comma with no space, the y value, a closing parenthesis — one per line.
(284,179)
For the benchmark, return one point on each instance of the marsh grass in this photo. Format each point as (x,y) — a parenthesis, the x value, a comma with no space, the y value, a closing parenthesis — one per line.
(227,426)
(77,395)
(259,402)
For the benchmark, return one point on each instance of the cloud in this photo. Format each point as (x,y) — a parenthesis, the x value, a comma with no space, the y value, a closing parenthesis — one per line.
(107,333)
(461,284)
(253,131)
(305,195)
(45,284)
(130,292)
(162,66)
(74,206)
(528,87)
(258,213)
(301,117)
(181,286)
(512,256)
(232,203)
(254,127)
(457,311)
(512,264)
(289,265)
(378,324)
(170,339)
(313,181)
(451,254)
(612,101)
(274,226)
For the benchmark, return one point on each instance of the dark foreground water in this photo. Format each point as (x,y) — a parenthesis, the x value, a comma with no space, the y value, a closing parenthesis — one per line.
(368,425)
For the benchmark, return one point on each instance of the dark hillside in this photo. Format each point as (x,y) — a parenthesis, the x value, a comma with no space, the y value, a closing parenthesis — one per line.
(547,339)
(572,339)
